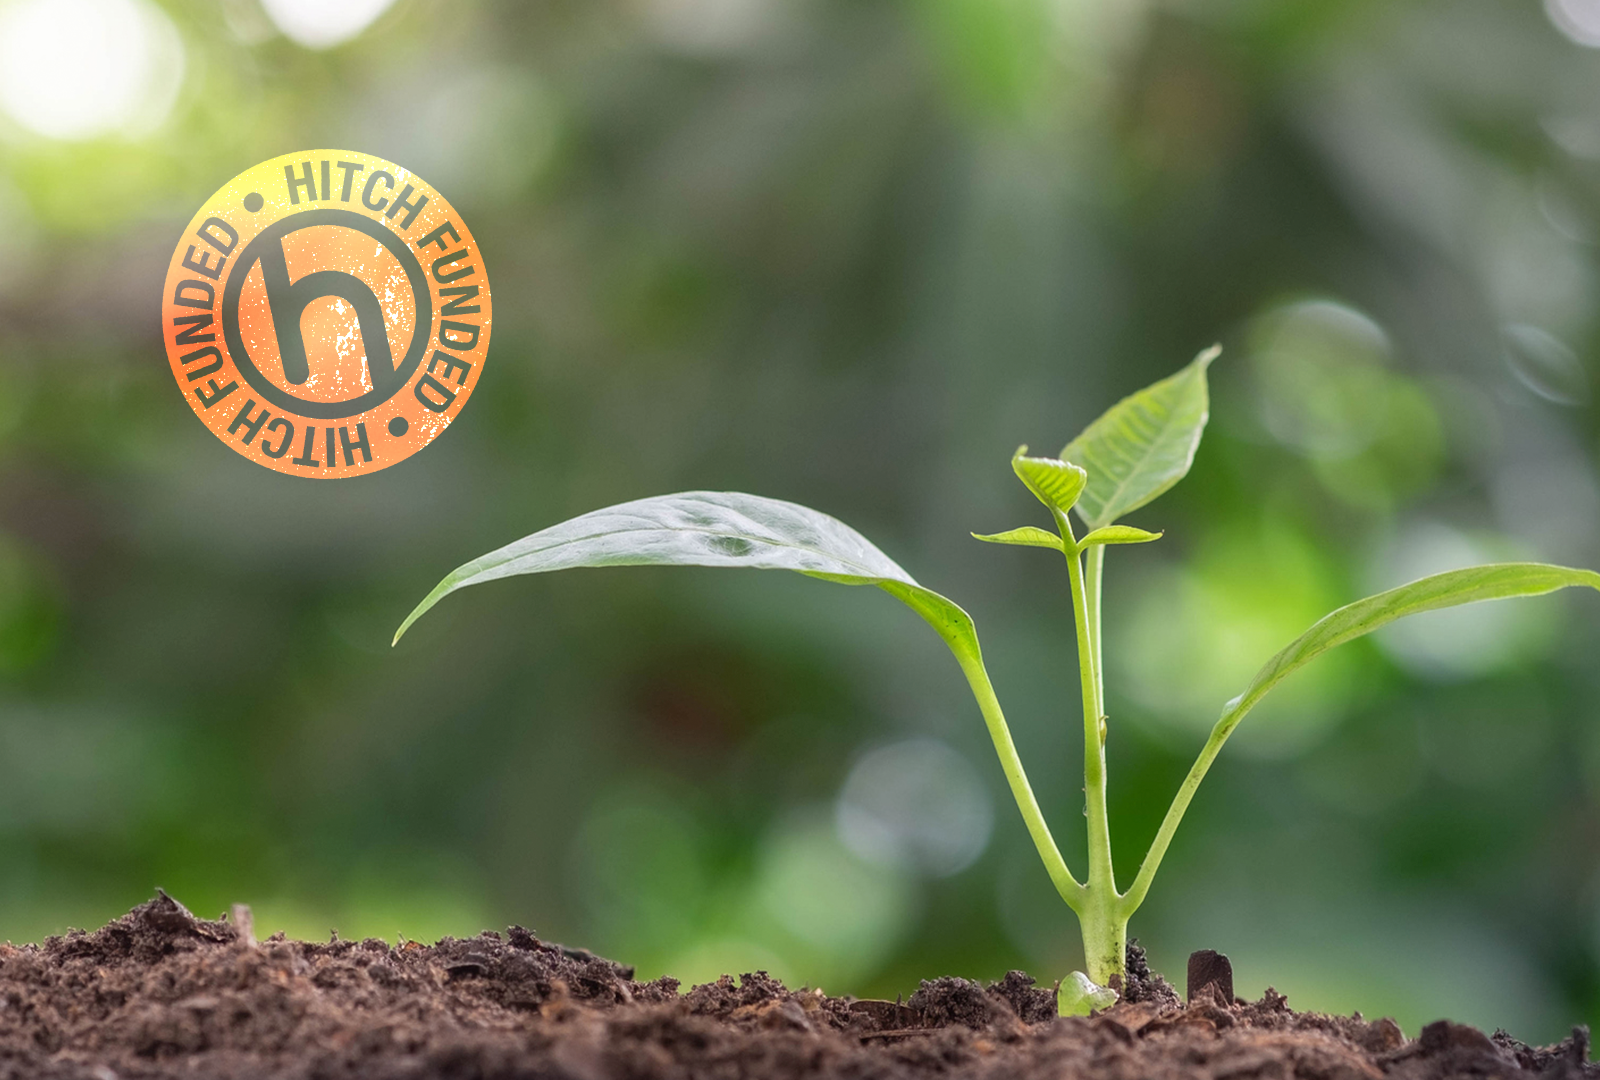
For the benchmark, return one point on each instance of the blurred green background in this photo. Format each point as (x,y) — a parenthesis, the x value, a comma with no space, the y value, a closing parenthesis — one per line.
(848,253)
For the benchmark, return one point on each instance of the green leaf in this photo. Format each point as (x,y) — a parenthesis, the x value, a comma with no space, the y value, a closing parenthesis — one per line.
(1496,581)
(1143,444)
(1055,483)
(1078,996)
(1118,534)
(729,528)
(712,528)
(1027,536)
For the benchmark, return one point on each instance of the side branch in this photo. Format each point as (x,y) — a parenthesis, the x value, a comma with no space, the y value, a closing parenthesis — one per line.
(1071,890)
(1180,803)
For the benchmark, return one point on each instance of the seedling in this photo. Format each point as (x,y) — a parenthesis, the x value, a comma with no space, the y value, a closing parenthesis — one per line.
(1130,455)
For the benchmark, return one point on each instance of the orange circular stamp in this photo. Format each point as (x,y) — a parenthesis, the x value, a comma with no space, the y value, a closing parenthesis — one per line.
(326,313)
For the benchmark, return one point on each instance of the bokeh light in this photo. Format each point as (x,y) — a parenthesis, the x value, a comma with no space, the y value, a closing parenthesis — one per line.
(845,914)
(75,69)
(322,24)
(1545,364)
(1578,19)
(1254,589)
(1321,369)
(717,26)
(916,804)
(1326,387)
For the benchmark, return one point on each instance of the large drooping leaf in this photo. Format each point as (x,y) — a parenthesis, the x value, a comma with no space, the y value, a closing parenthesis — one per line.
(1143,444)
(1497,581)
(729,528)
(712,528)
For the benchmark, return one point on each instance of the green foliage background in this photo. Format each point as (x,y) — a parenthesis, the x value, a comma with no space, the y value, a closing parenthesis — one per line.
(849,254)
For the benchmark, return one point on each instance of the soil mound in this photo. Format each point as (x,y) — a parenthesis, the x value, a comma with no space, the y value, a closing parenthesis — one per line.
(160,993)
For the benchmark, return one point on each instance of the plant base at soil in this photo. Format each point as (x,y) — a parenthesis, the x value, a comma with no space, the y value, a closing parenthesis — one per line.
(160,993)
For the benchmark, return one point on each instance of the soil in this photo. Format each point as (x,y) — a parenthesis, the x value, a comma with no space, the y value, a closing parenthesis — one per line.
(161,993)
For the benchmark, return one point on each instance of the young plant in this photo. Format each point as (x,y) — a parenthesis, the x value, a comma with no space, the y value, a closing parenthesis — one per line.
(1130,455)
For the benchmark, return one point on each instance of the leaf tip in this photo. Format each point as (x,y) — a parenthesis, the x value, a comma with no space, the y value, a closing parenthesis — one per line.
(419,611)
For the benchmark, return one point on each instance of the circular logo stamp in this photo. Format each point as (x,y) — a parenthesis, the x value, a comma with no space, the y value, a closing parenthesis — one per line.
(326,313)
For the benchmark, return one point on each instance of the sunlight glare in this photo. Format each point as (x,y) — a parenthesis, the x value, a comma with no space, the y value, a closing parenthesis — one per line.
(322,24)
(75,69)
(1578,19)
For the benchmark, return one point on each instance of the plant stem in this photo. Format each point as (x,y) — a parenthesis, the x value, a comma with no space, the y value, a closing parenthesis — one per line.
(1180,803)
(1105,937)
(1092,574)
(1103,924)
(983,690)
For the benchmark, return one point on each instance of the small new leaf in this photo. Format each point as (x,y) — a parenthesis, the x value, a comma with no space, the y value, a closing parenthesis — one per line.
(1143,444)
(1079,996)
(1027,536)
(1053,482)
(1117,534)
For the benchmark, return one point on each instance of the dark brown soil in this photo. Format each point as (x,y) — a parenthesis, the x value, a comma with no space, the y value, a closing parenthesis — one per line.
(159,993)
